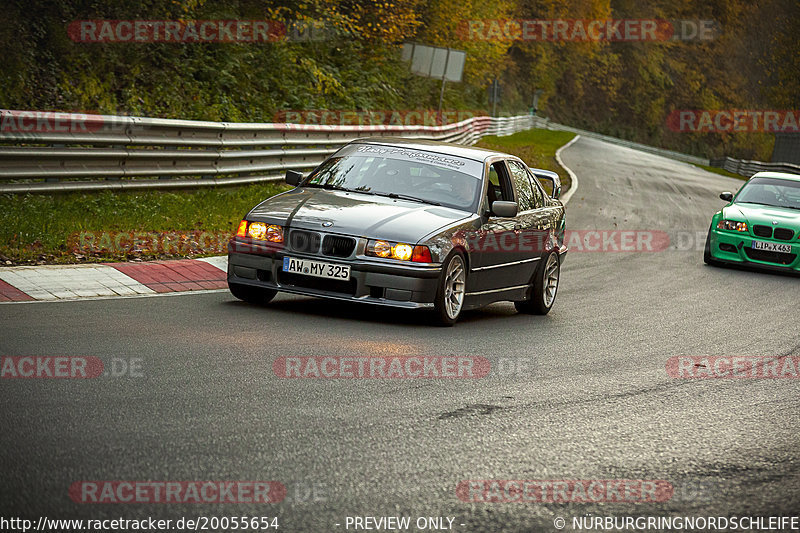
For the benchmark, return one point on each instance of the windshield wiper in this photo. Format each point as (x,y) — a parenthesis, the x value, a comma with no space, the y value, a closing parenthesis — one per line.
(330,187)
(327,186)
(406,197)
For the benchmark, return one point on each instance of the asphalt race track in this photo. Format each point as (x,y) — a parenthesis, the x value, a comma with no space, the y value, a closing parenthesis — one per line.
(594,401)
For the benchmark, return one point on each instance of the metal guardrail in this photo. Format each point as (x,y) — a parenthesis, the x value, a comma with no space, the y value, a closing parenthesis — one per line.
(99,152)
(747,168)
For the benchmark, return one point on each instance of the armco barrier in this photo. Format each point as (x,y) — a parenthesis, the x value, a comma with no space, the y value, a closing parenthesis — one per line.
(59,152)
(746,168)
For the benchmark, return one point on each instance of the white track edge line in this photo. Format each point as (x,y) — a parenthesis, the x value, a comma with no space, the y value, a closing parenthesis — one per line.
(572,175)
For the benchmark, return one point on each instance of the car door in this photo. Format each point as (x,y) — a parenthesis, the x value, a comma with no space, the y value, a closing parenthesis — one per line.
(551,221)
(495,249)
(533,223)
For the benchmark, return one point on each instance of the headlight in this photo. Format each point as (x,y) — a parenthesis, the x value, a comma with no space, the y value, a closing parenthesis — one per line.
(732,225)
(400,251)
(260,232)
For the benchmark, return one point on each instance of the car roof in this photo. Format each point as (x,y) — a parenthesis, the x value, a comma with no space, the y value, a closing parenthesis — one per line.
(779,175)
(458,150)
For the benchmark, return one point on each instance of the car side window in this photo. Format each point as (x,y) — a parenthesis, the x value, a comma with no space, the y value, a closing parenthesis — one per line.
(499,187)
(522,183)
(538,197)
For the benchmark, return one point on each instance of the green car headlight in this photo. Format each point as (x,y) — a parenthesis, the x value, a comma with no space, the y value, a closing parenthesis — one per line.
(732,225)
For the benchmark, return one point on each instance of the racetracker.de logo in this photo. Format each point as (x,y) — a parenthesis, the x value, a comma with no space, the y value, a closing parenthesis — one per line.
(59,367)
(378,117)
(734,121)
(737,367)
(22,122)
(177,492)
(164,242)
(536,241)
(382,367)
(587,30)
(564,490)
(176,31)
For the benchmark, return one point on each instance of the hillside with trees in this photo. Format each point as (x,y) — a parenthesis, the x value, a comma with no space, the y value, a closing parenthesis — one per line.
(626,89)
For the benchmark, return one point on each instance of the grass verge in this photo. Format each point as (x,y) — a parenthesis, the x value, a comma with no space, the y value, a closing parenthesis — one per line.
(123,225)
(536,147)
(146,225)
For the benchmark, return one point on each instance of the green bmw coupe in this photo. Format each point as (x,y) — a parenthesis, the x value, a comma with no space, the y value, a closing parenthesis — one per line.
(760,226)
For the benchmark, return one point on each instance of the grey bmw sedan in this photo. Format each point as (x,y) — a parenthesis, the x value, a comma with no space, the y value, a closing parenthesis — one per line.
(407,223)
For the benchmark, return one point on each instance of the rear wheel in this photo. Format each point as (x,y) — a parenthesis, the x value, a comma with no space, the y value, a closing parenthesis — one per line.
(252,295)
(544,287)
(450,294)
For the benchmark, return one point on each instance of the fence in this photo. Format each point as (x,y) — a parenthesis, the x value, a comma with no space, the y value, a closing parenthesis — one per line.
(747,168)
(61,152)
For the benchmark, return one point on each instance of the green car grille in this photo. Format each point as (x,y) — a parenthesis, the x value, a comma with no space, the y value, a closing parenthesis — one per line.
(783,234)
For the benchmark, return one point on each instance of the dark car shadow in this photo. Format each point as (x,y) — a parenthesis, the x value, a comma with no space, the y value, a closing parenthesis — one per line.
(337,309)
(754,269)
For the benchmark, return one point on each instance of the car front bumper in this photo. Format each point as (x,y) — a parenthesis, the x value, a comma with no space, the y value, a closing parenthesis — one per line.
(737,248)
(408,286)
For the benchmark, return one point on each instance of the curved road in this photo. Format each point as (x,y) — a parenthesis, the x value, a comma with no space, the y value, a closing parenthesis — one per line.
(593,402)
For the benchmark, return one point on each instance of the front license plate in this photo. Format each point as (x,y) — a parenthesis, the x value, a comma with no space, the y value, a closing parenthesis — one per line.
(772,247)
(316,268)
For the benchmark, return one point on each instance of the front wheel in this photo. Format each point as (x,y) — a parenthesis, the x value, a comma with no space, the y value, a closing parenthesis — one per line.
(544,289)
(450,294)
(252,295)
(707,257)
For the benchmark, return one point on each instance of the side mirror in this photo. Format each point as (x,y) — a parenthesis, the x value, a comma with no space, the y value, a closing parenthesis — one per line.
(556,184)
(726,196)
(294,177)
(504,209)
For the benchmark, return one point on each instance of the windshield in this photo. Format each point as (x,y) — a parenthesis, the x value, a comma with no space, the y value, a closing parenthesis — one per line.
(774,192)
(396,172)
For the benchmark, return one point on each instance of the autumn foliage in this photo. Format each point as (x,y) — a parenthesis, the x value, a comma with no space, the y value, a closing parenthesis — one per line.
(345,55)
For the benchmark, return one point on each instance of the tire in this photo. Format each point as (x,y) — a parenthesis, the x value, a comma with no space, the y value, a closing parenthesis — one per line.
(252,295)
(450,294)
(707,257)
(544,287)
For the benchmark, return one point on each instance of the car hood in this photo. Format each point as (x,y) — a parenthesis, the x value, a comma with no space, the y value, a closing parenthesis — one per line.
(762,214)
(375,217)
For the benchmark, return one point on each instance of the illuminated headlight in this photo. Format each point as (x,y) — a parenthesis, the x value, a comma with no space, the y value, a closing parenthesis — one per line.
(260,232)
(732,225)
(400,251)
